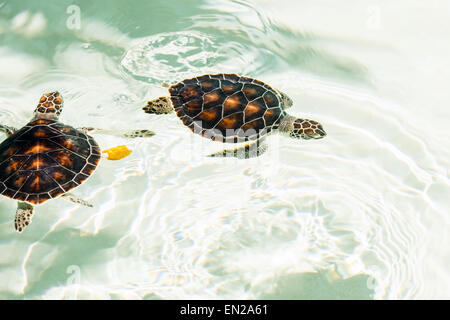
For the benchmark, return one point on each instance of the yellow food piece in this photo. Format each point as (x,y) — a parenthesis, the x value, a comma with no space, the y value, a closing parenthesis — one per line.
(117,153)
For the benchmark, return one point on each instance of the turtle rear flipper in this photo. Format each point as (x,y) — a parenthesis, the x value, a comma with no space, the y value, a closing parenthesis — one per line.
(161,105)
(23,216)
(248,151)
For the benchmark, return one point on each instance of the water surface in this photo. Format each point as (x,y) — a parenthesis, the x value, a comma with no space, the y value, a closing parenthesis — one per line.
(361,214)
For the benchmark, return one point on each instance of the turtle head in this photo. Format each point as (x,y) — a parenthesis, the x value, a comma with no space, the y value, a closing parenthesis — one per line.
(306,129)
(301,128)
(50,106)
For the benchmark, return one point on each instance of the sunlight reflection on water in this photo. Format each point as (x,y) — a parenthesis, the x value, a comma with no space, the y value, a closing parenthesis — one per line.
(349,216)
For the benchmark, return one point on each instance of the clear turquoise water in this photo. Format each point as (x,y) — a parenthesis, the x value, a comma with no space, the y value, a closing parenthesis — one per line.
(361,214)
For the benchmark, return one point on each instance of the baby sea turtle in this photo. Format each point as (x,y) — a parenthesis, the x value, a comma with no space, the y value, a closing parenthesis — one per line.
(232,109)
(46,158)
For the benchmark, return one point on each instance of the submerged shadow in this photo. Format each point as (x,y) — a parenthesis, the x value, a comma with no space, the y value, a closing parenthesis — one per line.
(317,286)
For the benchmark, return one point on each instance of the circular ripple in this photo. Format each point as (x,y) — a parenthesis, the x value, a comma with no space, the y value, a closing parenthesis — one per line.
(177,55)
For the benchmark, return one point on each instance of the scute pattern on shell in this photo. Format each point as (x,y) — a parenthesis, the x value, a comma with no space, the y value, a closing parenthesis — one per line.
(227,107)
(45,159)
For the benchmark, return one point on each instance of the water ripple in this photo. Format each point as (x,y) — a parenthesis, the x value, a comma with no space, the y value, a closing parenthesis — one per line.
(365,208)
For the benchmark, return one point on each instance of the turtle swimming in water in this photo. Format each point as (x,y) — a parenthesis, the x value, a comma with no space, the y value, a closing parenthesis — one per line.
(46,158)
(232,109)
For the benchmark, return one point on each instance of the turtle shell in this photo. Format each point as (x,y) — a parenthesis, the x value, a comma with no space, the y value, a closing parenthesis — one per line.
(227,107)
(45,159)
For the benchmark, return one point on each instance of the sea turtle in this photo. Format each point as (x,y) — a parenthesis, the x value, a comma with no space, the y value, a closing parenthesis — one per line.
(232,108)
(46,158)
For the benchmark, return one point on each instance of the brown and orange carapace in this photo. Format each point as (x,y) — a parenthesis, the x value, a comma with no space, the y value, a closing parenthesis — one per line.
(232,108)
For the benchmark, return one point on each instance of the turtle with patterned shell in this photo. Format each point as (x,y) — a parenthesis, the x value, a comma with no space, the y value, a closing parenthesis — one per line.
(46,158)
(232,109)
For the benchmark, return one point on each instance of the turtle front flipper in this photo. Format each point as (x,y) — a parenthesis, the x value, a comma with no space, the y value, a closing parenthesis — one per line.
(23,216)
(250,150)
(120,133)
(70,197)
(7,130)
(161,105)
